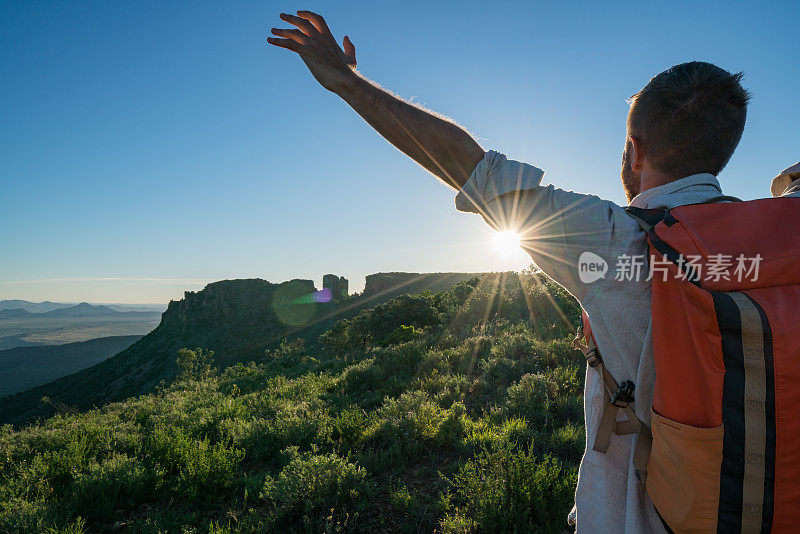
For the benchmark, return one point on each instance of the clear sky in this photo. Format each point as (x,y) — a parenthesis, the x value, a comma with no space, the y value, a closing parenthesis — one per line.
(147,148)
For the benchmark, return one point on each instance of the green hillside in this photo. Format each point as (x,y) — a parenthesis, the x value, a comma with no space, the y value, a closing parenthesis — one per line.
(458,411)
(237,319)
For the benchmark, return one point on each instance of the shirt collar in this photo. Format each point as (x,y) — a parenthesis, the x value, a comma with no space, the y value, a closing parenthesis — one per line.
(652,198)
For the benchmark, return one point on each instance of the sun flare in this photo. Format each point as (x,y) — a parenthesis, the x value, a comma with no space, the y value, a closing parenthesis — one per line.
(507,242)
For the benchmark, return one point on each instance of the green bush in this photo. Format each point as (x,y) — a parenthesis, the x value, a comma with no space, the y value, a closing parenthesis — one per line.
(194,364)
(509,490)
(547,397)
(402,334)
(197,469)
(313,486)
(117,482)
(406,426)
(290,359)
(401,498)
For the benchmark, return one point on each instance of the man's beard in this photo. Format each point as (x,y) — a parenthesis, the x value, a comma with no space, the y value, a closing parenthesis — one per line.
(631,181)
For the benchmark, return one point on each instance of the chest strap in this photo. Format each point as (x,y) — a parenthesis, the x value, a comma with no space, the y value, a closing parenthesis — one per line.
(619,397)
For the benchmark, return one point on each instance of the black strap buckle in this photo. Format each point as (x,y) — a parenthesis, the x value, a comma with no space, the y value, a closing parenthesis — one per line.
(624,394)
(593,358)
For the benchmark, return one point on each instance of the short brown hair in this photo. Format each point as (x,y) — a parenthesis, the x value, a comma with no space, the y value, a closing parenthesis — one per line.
(690,118)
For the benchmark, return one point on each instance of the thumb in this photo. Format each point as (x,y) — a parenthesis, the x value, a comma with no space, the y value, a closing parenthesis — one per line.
(349,51)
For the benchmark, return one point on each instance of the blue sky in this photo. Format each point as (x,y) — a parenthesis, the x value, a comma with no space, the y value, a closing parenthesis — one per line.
(147,148)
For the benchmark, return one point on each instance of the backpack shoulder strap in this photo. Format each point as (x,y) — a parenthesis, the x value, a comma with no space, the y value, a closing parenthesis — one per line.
(722,198)
(619,397)
(648,218)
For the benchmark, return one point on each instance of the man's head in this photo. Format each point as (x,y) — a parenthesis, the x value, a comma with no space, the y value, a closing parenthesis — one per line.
(687,120)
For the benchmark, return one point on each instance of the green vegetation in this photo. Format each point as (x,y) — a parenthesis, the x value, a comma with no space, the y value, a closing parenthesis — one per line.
(453,412)
(237,319)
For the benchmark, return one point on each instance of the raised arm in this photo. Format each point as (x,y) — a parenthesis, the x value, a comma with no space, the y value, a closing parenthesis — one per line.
(441,146)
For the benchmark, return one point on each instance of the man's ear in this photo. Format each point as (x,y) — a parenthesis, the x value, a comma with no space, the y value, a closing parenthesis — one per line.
(637,154)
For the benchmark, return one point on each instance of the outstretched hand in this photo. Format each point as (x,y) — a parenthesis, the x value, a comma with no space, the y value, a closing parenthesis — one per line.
(442,147)
(331,66)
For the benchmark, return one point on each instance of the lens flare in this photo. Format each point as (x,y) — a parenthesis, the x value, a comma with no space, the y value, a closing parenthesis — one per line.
(507,242)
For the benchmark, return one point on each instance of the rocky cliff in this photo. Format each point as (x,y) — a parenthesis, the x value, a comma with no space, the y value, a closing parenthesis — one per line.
(337,285)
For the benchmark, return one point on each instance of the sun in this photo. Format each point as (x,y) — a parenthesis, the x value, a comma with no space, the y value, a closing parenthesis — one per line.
(507,242)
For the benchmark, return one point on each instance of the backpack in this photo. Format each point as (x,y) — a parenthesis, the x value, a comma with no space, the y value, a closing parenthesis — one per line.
(722,453)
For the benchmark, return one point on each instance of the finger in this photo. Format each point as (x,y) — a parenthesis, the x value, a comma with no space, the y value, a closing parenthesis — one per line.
(285,43)
(317,20)
(349,50)
(295,35)
(305,26)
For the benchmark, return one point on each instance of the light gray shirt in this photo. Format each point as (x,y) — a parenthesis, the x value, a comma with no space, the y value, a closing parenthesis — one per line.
(557,227)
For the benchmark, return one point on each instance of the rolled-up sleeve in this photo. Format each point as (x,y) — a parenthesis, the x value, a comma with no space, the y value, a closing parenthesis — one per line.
(495,175)
(555,226)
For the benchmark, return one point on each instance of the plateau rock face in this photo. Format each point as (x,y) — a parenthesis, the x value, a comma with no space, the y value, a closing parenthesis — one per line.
(240,305)
(338,285)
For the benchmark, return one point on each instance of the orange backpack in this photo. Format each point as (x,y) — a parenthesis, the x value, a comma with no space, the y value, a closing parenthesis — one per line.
(724,441)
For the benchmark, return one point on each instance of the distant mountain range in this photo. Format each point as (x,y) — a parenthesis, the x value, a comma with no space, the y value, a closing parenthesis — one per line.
(84,309)
(48,306)
(237,319)
(31,307)
(16,313)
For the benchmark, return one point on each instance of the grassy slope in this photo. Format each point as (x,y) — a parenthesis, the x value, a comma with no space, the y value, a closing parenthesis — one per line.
(457,411)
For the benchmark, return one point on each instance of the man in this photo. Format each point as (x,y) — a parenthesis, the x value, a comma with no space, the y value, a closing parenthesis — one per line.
(682,129)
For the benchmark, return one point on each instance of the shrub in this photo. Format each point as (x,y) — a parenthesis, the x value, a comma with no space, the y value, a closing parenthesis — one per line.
(366,382)
(194,364)
(199,470)
(509,490)
(348,427)
(118,482)
(406,425)
(312,486)
(290,359)
(547,397)
(402,334)
(401,498)
(567,442)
